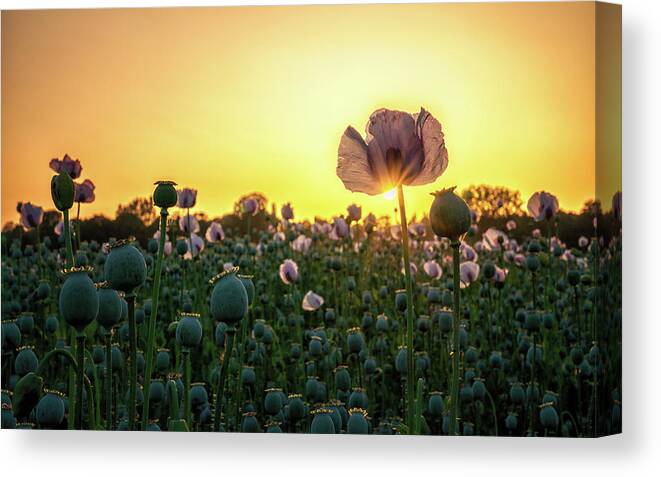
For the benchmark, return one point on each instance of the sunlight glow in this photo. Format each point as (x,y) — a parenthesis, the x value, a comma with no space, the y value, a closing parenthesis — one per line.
(390,195)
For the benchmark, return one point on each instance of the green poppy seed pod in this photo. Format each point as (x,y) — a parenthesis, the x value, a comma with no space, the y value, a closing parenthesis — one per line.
(229,299)
(27,393)
(249,423)
(273,401)
(11,334)
(189,330)
(110,307)
(489,270)
(62,191)
(574,277)
(449,215)
(248,376)
(165,195)
(357,423)
(249,286)
(50,410)
(401,360)
(125,267)
(26,362)
(79,301)
(548,416)
(400,300)
(163,361)
(355,340)
(436,404)
(296,407)
(511,422)
(517,394)
(342,378)
(532,263)
(322,423)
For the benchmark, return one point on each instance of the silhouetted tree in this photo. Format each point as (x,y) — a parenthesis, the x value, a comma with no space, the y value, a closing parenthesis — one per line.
(493,201)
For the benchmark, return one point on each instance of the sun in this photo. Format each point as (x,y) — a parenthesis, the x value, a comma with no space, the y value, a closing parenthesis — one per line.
(390,195)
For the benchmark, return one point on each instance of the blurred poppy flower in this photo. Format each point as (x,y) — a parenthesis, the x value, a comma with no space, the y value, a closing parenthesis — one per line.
(399,149)
(396,232)
(501,274)
(214,233)
(355,212)
(312,301)
(417,229)
(412,267)
(494,238)
(188,224)
(84,193)
(31,215)
(288,272)
(433,269)
(583,242)
(287,211)
(510,225)
(71,167)
(340,229)
(468,252)
(536,233)
(186,198)
(468,273)
(250,206)
(542,206)
(301,244)
(198,245)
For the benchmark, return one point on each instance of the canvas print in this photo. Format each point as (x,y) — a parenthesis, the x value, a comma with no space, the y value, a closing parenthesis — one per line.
(330,219)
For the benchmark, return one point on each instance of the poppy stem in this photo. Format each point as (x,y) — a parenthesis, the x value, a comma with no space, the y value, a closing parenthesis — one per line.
(108,380)
(133,356)
(152,317)
(229,343)
(80,360)
(454,398)
(67,237)
(409,312)
(186,400)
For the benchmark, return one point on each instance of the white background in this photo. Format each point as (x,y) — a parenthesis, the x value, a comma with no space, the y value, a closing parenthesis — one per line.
(637,451)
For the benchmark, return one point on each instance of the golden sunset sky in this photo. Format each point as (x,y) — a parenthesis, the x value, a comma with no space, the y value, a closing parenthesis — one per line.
(234,100)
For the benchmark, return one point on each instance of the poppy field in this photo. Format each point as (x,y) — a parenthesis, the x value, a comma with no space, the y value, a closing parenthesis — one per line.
(455,324)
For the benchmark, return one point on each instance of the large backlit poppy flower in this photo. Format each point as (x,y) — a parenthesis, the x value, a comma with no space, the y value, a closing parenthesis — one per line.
(31,215)
(214,233)
(399,149)
(70,166)
(288,272)
(312,301)
(542,206)
(186,198)
(468,273)
(84,193)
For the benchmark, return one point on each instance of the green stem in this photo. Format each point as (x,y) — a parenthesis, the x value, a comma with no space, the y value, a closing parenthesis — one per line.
(80,379)
(41,369)
(133,356)
(67,238)
(229,336)
(409,311)
(152,317)
(454,399)
(186,403)
(108,380)
(238,391)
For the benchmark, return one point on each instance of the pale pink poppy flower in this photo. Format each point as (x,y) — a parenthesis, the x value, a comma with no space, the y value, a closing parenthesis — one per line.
(413,268)
(59,228)
(428,247)
(567,256)
(227,266)
(287,211)
(468,273)
(167,248)
(84,193)
(582,263)
(186,198)
(417,229)
(288,272)
(468,252)
(510,225)
(31,215)
(474,229)
(198,245)
(536,233)
(542,206)
(501,274)
(520,259)
(340,229)
(312,301)
(354,212)
(250,206)
(271,229)
(447,260)
(71,167)
(279,237)
(433,269)
(302,244)
(480,246)
(493,239)
(188,224)
(399,149)
(215,233)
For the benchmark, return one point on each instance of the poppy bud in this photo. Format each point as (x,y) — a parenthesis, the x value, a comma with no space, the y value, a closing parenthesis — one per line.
(165,195)
(62,191)
(27,393)
(189,330)
(125,267)
(449,215)
(229,299)
(79,302)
